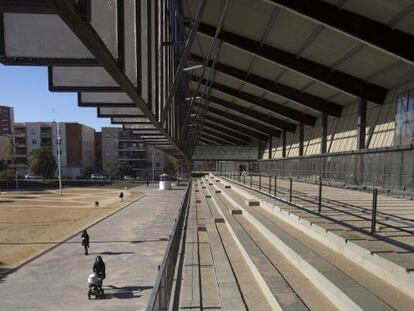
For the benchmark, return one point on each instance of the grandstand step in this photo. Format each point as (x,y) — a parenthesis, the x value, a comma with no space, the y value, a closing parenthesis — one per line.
(277,290)
(377,287)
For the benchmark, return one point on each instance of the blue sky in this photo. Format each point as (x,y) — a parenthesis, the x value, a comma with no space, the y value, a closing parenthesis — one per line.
(26,89)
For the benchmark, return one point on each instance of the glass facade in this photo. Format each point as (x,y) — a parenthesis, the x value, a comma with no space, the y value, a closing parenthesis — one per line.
(391,169)
(404,118)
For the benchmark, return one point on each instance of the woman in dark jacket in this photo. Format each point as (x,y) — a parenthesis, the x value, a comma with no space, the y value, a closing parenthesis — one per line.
(85,241)
(99,268)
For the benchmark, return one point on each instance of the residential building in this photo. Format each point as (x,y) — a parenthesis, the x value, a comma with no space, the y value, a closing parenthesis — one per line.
(6,120)
(6,148)
(77,146)
(122,149)
(98,151)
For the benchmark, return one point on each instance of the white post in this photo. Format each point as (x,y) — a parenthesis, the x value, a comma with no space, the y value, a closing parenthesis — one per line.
(59,141)
(153,173)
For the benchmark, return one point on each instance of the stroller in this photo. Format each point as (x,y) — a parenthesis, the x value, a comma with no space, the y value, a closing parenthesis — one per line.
(95,286)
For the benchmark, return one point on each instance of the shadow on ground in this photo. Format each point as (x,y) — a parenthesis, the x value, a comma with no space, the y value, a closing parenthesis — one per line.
(126,292)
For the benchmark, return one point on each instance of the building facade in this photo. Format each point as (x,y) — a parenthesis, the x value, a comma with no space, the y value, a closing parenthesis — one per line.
(6,120)
(124,153)
(77,146)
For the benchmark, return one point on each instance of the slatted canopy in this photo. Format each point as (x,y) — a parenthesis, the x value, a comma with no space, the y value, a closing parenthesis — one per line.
(216,72)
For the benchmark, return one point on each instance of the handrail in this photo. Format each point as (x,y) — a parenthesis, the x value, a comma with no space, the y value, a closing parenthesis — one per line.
(161,294)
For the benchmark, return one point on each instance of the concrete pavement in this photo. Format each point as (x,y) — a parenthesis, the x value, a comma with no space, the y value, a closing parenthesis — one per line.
(132,243)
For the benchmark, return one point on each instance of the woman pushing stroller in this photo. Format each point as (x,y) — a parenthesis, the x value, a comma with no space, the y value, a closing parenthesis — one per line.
(95,280)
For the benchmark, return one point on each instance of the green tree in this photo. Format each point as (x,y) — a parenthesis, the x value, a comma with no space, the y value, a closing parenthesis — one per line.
(3,165)
(42,163)
(6,176)
(125,168)
(174,166)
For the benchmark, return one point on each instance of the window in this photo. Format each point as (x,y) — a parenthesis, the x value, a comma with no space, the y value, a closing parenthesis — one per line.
(157,164)
(34,142)
(404,118)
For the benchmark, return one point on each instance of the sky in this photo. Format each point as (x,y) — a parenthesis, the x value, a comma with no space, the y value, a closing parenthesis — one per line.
(26,89)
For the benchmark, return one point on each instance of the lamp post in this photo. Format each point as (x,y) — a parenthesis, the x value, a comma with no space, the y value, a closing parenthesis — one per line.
(59,142)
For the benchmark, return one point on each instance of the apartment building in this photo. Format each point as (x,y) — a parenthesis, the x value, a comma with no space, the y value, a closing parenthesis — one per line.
(121,148)
(6,120)
(77,146)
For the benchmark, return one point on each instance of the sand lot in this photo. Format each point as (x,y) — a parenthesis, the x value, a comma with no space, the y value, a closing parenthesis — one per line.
(33,221)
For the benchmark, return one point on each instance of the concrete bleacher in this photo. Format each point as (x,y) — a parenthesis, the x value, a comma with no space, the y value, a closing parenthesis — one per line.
(293,260)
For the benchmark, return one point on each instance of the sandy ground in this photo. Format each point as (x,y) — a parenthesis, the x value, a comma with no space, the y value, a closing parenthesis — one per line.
(33,221)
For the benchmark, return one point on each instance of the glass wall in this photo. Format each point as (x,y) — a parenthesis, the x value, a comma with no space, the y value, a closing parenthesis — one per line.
(404,118)
(390,169)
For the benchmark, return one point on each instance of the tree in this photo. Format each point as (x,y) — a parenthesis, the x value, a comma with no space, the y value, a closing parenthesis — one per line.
(125,168)
(7,176)
(42,163)
(174,165)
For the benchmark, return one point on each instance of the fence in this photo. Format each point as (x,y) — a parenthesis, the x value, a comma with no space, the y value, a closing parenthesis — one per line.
(161,293)
(315,200)
(389,169)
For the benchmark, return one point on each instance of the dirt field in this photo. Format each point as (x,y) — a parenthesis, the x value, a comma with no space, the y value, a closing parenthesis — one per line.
(33,221)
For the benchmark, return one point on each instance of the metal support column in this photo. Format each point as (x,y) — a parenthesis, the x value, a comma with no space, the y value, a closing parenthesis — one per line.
(275,186)
(284,144)
(374,210)
(270,146)
(260,182)
(301,138)
(290,190)
(320,196)
(324,132)
(362,123)
(270,184)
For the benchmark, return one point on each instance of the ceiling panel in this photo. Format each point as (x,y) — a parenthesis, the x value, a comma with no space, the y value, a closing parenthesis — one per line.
(290,31)
(395,76)
(366,62)
(81,77)
(328,47)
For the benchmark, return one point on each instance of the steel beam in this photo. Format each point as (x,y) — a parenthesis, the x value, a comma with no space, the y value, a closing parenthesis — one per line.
(271,121)
(250,124)
(215,138)
(301,138)
(223,136)
(25,6)
(242,138)
(362,123)
(295,95)
(183,60)
(390,40)
(324,133)
(280,109)
(336,79)
(244,130)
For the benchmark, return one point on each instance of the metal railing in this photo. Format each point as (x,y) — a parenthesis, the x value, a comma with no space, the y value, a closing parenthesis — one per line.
(320,203)
(391,169)
(161,294)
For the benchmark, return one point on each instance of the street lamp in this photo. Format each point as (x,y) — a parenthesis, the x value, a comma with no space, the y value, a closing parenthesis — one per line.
(59,142)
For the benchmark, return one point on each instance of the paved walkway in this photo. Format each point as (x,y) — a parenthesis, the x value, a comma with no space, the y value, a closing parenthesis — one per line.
(132,243)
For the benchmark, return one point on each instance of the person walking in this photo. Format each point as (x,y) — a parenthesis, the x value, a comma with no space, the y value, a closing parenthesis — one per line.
(85,240)
(121,196)
(99,269)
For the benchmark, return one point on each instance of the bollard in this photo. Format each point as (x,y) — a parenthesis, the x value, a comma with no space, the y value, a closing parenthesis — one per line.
(374,210)
(260,182)
(290,190)
(96,204)
(270,184)
(275,185)
(320,196)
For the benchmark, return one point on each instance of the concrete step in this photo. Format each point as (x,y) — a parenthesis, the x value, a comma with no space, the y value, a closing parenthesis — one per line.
(229,293)
(190,298)
(387,260)
(277,291)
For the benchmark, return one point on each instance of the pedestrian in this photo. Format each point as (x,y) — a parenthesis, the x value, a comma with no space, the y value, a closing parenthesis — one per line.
(99,269)
(85,241)
(121,196)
